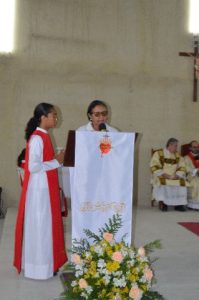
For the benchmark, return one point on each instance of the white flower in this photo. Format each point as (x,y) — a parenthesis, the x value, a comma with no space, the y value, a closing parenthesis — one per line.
(112,243)
(144,259)
(106,279)
(99,250)
(85,270)
(124,252)
(144,280)
(119,282)
(89,289)
(79,273)
(96,275)
(132,253)
(73,283)
(101,263)
(105,271)
(132,262)
(84,295)
(117,273)
(79,267)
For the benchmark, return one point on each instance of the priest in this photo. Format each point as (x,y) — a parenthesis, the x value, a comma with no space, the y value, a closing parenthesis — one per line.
(169,177)
(192,166)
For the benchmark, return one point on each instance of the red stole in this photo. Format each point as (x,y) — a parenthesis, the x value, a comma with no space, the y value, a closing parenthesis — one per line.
(194,161)
(59,253)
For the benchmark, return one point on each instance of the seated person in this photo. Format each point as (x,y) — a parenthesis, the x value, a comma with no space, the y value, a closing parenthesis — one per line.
(192,167)
(168,177)
(21,165)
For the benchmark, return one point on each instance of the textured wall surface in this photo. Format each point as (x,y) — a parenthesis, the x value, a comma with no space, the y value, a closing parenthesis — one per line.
(69,52)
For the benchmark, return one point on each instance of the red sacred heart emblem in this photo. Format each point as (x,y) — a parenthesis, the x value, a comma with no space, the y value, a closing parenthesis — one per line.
(105,145)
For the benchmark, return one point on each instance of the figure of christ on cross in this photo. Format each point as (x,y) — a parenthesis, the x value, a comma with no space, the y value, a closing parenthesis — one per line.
(195,56)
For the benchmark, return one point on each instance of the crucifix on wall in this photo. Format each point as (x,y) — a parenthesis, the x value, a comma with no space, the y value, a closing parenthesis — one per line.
(195,56)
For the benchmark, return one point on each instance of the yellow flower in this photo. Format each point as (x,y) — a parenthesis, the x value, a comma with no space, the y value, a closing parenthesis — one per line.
(93,264)
(109,251)
(111,296)
(116,290)
(92,269)
(125,290)
(92,249)
(144,287)
(75,289)
(88,259)
(133,278)
(102,293)
(99,282)
(112,266)
(134,271)
(118,246)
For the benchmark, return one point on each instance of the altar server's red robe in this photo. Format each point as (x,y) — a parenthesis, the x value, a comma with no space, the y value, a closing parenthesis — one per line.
(59,253)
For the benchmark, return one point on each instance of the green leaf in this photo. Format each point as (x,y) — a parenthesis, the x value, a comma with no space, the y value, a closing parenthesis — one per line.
(152,295)
(152,246)
(81,246)
(92,235)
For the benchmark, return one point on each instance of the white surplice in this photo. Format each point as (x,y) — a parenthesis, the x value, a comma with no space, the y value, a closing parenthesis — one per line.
(170,193)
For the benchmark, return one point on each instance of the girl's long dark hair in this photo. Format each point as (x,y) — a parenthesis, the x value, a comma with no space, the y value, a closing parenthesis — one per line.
(42,109)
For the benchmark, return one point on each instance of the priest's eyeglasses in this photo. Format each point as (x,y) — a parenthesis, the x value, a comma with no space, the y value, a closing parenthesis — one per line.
(100,113)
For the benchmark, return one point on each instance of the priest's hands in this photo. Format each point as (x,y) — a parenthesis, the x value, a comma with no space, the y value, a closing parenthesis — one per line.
(175,177)
(166,176)
(172,177)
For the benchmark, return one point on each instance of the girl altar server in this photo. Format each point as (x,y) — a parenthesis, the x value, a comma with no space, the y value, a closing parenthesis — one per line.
(39,237)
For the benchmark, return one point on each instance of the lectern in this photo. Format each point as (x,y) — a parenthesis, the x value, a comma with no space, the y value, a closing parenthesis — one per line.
(101,179)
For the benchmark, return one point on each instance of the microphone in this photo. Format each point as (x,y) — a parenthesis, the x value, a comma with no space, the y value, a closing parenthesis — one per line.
(102,127)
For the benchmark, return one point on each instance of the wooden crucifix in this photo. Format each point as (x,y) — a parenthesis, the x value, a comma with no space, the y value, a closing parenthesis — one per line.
(195,56)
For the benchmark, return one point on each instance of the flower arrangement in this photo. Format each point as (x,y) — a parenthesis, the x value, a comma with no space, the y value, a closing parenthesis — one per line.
(110,270)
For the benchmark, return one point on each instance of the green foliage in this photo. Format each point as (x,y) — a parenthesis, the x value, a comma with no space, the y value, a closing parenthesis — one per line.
(80,246)
(152,246)
(152,295)
(92,235)
(113,225)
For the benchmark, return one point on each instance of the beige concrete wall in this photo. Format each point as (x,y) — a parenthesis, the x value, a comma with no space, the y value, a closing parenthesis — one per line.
(69,52)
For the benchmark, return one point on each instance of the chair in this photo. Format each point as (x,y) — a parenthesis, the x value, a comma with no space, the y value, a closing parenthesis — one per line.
(153,201)
(185,149)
